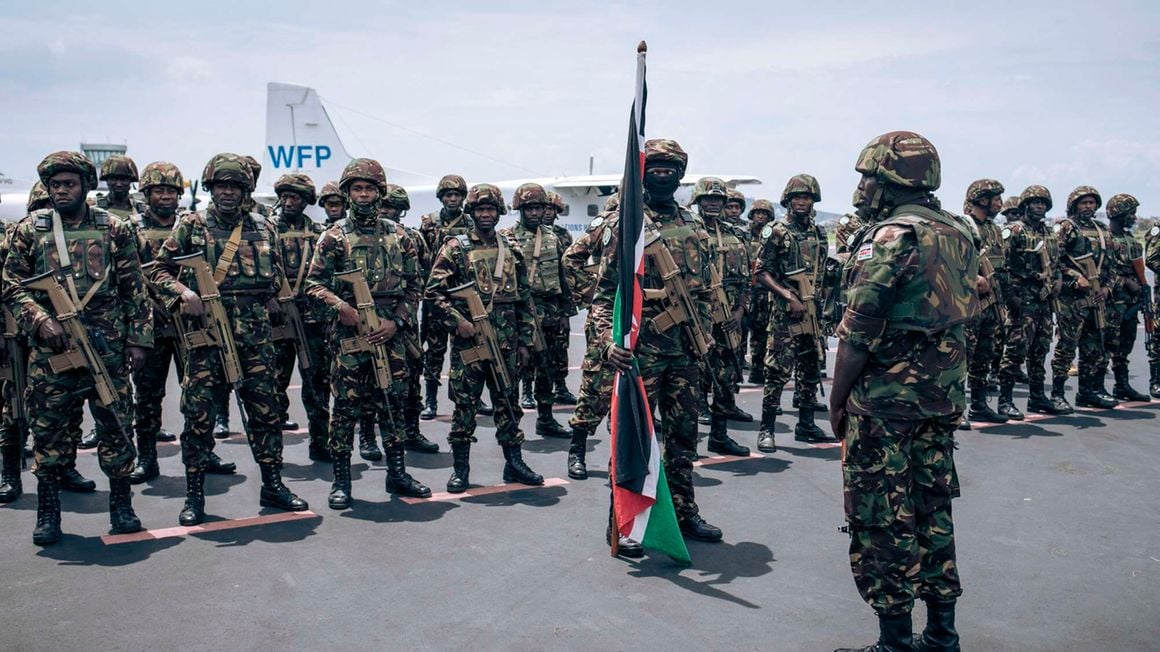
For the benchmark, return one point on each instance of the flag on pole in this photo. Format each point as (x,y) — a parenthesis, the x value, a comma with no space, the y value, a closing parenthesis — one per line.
(641,503)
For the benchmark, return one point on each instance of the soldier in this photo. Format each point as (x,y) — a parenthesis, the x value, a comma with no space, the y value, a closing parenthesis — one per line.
(729,255)
(297,238)
(542,251)
(1012,210)
(898,390)
(1004,336)
(734,207)
(1035,281)
(790,265)
(758,313)
(242,250)
(95,256)
(1152,260)
(558,347)
(389,263)
(14,350)
(119,173)
(1083,249)
(983,201)
(1128,295)
(666,355)
(333,202)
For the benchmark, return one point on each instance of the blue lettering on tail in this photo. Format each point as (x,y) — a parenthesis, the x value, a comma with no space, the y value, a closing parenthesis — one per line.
(282,156)
(291,156)
(321,153)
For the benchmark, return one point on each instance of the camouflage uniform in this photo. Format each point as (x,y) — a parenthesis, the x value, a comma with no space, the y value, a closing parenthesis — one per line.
(911,281)
(984,330)
(557,353)
(13,431)
(119,165)
(1083,243)
(1152,260)
(1125,303)
(105,282)
(758,315)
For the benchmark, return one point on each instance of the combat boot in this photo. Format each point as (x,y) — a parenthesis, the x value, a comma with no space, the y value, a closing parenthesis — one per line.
(89,440)
(695,527)
(430,401)
(47,531)
(460,467)
(516,470)
(737,414)
(625,547)
(414,439)
(808,431)
(527,394)
(1037,400)
(221,428)
(1059,404)
(703,413)
(719,440)
(398,480)
(1020,376)
(577,467)
(340,489)
(980,411)
(166,436)
(964,422)
(72,480)
(275,494)
(318,452)
(1007,402)
(147,467)
(368,448)
(765,442)
(1089,396)
(895,634)
(122,518)
(288,424)
(939,635)
(194,511)
(11,485)
(217,466)
(1098,388)
(563,395)
(546,424)
(1124,391)
(757,375)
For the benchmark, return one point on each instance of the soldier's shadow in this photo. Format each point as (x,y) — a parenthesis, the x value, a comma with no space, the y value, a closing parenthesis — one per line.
(830,453)
(390,509)
(1019,430)
(283,532)
(752,466)
(167,486)
(440,460)
(1128,414)
(720,563)
(532,497)
(75,550)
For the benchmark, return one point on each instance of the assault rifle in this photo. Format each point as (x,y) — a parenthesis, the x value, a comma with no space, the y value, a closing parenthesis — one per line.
(680,310)
(1145,299)
(486,350)
(722,317)
(369,322)
(808,325)
(1086,265)
(292,327)
(987,271)
(14,369)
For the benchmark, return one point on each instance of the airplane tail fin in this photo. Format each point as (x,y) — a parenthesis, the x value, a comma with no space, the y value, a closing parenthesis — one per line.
(300,136)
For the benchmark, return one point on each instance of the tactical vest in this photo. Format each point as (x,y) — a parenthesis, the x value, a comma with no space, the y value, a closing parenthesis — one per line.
(1038,254)
(543,270)
(732,255)
(379,253)
(297,249)
(252,270)
(1094,241)
(996,246)
(89,248)
(149,238)
(479,264)
(686,240)
(944,294)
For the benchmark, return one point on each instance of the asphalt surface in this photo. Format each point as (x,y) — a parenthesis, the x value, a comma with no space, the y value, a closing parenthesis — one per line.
(1058,541)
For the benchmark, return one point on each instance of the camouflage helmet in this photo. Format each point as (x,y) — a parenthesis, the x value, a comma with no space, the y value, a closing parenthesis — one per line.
(484,193)
(661,150)
(737,196)
(801,184)
(556,200)
(1035,192)
(119,165)
(1011,205)
(330,190)
(366,169)
(38,197)
(1121,204)
(762,205)
(162,173)
(450,182)
(529,194)
(65,161)
(612,203)
(981,189)
(710,187)
(397,197)
(902,158)
(1081,192)
(227,167)
(254,165)
(298,183)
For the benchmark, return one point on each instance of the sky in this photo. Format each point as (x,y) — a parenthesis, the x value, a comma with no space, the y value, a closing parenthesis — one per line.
(1053,93)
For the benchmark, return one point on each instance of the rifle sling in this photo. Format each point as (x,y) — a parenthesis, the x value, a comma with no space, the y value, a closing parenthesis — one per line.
(229,251)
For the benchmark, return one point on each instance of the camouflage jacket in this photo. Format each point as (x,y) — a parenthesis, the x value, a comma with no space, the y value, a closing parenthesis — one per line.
(1122,250)
(1152,252)
(848,227)
(994,247)
(296,245)
(729,248)
(546,273)
(437,227)
(788,246)
(1078,238)
(105,267)
(1032,261)
(564,235)
(583,260)
(151,234)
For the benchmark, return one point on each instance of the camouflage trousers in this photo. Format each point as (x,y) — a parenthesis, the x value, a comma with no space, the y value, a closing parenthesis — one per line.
(315,380)
(789,354)
(1154,344)
(1120,335)
(595,398)
(149,385)
(723,363)
(205,379)
(466,385)
(413,404)
(356,391)
(758,318)
(1075,326)
(558,336)
(982,345)
(434,337)
(55,401)
(12,432)
(672,383)
(899,479)
(1028,340)
(545,368)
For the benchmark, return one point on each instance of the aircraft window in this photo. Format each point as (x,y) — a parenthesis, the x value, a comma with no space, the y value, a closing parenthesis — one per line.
(593,210)
(567,207)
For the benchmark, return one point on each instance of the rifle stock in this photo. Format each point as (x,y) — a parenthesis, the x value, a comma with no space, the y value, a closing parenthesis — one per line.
(808,325)
(486,348)
(680,308)
(369,322)
(14,366)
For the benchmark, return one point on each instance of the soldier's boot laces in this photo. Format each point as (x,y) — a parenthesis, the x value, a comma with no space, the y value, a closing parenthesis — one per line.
(765,439)
(339,497)
(563,395)
(1059,404)
(527,400)
(1007,403)
(89,440)
(430,401)
(47,531)
(695,527)
(719,440)
(1091,394)
(577,465)
(939,635)
(368,448)
(895,634)
(398,480)
(319,451)
(275,494)
(147,467)
(546,424)
(194,511)
(1124,391)
(808,431)
(980,411)
(72,480)
(516,470)
(415,440)
(11,485)
(122,518)
(460,467)
(215,464)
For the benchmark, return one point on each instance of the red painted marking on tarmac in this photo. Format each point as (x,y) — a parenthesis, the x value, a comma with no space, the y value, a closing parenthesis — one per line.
(485,491)
(212,526)
(722,459)
(836,444)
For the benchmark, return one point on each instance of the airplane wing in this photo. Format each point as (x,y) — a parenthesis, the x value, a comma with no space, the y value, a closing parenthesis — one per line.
(603,180)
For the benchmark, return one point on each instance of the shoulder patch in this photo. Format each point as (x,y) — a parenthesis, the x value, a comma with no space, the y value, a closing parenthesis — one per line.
(1154,231)
(1005,233)
(845,219)
(606,237)
(1057,228)
(767,231)
(596,222)
(865,252)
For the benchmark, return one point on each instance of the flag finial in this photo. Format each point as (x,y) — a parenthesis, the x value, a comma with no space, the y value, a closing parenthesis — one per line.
(642,48)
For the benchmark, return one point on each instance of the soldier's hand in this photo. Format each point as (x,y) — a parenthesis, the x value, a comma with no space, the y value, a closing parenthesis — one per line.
(983,286)
(796,308)
(134,358)
(523,357)
(191,305)
(347,315)
(51,334)
(838,421)
(620,358)
(1082,283)
(383,334)
(465,329)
